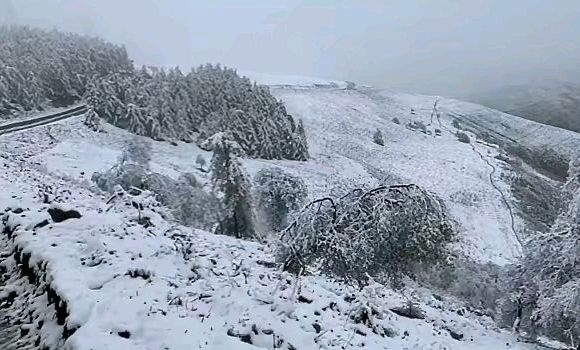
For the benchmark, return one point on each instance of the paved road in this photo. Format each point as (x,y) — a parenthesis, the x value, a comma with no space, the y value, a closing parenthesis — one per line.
(45,119)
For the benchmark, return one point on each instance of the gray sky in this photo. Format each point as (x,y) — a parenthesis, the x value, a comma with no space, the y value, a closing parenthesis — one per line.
(444,47)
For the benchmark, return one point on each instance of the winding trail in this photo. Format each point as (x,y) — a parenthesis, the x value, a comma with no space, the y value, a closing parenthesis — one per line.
(495,186)
(503,197)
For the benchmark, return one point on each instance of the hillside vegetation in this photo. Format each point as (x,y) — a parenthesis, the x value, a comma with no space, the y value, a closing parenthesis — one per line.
(208,100)
(40,69)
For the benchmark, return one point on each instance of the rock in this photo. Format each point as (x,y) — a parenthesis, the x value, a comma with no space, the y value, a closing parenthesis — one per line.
(17,210)
(144,274)
(304,299)
(410,311)
(455,335)
(389,332)
(59,215)
(124,334)
(349,298)
(316,327)
(268,264)
(41,224)
(246,338)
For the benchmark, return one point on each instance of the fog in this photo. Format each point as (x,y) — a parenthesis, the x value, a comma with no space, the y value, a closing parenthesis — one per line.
(446,47)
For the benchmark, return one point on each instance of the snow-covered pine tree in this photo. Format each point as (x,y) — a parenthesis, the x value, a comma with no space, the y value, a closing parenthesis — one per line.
(229,177)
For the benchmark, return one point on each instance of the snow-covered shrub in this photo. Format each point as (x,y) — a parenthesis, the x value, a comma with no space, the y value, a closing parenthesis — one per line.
(462,137)
(549,274)
(195,207)
(92,120)
(131,169)
(455,123)
(200,161)
(278,194)
(229,177)
(384,233)
(378,138)
(396,120)
(168,105)
(417,125)
(188,202)
(124,175)
(478,285)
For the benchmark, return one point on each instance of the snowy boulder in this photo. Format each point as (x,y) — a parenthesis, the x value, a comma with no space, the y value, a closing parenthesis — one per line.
(410,311)
(59,214)
(455,335)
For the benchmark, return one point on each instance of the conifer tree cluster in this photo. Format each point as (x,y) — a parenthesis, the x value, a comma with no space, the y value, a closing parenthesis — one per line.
(171,105)
(39,68)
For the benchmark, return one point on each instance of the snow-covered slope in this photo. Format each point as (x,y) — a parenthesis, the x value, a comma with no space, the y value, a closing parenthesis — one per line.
(103,281)
(195,289)
(294,81)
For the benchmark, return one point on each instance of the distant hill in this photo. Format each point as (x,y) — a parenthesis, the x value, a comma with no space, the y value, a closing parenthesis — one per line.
(556,104)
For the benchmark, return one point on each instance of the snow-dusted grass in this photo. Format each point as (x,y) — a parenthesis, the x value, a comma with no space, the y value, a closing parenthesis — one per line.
(222,285)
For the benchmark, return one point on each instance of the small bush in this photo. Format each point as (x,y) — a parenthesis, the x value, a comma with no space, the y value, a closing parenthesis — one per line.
(279,193)
(455,124)
(378,138)
(417,125)
(478,285)
(192,206)
(396,120)
(189,203)
(462,137)
(125,175)
(200,161)
(383,233)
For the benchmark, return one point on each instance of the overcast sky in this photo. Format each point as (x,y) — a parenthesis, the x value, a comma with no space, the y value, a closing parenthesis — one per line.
(443,47)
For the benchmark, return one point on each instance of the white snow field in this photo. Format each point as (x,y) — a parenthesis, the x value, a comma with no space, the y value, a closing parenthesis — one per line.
(103,281)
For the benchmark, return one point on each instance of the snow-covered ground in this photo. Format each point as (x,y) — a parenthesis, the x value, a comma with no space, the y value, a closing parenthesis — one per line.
(120,285)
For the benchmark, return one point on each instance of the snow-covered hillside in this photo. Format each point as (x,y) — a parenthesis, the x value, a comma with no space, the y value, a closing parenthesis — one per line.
(115,284)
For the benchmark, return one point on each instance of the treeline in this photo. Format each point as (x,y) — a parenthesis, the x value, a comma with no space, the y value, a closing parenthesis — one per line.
(210,99)
(40,68)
